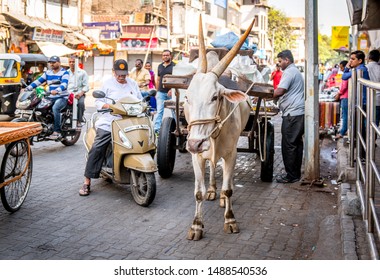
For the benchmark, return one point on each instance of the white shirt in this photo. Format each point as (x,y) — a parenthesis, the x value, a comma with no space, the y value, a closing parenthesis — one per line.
(81,83)
(114,90)
(374,75)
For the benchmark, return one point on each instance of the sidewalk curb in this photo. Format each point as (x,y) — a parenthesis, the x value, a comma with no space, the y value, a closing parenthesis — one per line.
(347,226)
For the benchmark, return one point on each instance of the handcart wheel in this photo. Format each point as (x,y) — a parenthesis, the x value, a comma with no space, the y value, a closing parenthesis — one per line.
(17,162)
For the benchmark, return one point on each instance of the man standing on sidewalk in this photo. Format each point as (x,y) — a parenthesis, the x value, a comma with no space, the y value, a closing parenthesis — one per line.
(374,75)
(290,93)
(141,76)
(166,67)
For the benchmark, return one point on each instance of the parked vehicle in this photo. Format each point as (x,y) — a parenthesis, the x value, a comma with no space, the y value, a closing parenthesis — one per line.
(13,68)
(130,156)
(35,106)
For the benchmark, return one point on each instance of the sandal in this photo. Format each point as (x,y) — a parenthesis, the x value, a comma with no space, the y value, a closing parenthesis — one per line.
(85,190)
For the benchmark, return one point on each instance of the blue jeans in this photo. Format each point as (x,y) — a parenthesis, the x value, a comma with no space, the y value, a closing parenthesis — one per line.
(161,97)
(344,105)
(377,115)
(59,104)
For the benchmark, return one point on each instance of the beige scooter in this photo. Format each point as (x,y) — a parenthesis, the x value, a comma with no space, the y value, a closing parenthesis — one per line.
(132,149)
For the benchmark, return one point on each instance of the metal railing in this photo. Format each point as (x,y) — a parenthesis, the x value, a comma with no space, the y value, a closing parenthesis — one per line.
(362,120)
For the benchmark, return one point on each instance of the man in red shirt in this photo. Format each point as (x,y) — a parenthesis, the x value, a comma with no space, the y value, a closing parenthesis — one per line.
(276,76)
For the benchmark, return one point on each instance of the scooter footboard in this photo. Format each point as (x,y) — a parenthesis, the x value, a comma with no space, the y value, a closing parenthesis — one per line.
(140,162)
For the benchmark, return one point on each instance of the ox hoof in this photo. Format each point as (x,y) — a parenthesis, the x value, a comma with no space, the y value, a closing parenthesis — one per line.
(231,228)
(211,195)
(195,234)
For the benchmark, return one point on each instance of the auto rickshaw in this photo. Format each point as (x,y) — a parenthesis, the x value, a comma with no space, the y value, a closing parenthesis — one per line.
(13,68)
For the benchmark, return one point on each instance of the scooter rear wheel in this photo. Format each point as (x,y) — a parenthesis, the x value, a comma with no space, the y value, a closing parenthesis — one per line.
(143,187)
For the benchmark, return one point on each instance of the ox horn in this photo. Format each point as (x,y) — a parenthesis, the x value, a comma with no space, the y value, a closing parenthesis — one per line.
(223,64)
(202,66)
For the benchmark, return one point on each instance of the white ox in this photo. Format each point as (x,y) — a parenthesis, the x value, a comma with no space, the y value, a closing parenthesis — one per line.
(216,117)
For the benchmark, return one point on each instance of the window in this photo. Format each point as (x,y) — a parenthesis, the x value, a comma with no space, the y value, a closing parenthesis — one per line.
(207,8)
(256,21)
(222,13)
(8,68)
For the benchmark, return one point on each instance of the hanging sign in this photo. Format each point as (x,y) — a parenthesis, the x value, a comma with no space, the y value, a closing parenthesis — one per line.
(48,35)
(340,37)
(138,43)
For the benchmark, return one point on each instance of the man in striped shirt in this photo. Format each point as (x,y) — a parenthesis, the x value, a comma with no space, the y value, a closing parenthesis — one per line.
(58,91)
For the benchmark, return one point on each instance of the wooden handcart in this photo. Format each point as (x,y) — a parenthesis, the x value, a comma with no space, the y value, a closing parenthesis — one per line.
(17,164)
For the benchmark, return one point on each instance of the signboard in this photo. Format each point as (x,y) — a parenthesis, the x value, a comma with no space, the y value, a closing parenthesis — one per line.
(340,36)
(48,35)
(137,31)
(109,30)
(138,44)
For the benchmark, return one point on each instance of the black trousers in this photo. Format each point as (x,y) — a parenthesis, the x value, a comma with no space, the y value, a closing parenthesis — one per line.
(97,153)
(292,130)
(81,108)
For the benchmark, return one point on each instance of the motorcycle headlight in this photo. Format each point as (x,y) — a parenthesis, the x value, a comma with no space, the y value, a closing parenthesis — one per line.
(23,105)
(133,109)
(124,139)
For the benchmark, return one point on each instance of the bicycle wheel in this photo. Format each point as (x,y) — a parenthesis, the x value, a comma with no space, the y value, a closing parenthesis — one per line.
(17,167)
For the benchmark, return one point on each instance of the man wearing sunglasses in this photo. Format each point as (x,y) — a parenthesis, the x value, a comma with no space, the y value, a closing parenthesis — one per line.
(57,79)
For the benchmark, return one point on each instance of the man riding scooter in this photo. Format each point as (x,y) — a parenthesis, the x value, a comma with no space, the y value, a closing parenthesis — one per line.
(115,88)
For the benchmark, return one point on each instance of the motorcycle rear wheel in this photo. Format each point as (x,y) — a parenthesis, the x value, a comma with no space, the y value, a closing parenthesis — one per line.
(143,187)
(69,139)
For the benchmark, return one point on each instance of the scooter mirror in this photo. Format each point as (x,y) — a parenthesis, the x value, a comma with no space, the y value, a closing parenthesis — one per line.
(23,82)
(98,94)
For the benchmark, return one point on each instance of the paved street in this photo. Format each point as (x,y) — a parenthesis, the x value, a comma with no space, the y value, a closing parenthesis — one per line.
(276,221)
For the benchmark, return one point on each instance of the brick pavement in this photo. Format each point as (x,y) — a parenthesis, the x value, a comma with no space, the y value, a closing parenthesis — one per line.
(276,221)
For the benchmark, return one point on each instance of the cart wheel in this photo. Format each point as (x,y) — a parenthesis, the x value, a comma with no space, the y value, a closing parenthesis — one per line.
(266,174)
(14,194)
(166,150)
(71,136)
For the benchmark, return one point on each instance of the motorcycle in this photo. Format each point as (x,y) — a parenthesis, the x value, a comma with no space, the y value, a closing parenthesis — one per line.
(130,156)
(35,106)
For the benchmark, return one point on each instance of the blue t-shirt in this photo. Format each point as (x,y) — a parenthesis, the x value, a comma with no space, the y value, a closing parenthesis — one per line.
(347,75)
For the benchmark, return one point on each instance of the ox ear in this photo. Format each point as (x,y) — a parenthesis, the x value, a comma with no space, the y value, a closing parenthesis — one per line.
(234,96)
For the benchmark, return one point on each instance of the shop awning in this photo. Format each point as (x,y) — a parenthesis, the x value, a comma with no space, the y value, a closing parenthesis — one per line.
(364,13)
(76,38)
(35,22)
(58,49)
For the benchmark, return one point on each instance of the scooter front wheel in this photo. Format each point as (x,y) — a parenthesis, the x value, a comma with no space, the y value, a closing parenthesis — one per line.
(143,187)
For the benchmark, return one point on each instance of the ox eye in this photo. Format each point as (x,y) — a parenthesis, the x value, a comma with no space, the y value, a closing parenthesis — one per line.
(214,98)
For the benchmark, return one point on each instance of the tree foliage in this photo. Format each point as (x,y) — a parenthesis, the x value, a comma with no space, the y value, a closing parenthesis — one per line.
(278,25)
(326,54)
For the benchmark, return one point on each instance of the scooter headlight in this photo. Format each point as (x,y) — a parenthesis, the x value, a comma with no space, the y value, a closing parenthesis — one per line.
(124,139)
(133,109)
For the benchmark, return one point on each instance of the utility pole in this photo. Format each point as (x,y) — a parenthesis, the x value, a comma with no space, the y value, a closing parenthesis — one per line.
(168,23)
(45,9)
(312,94)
